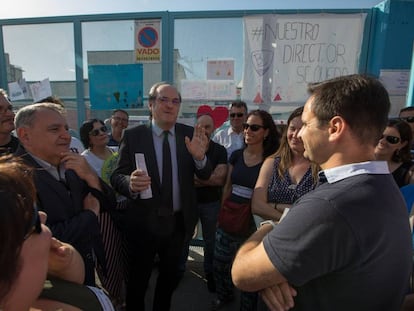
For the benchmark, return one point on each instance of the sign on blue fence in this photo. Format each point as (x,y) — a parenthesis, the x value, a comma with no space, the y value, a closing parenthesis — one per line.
(115,86)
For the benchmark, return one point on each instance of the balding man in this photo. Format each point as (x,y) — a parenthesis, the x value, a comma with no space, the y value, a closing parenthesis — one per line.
(209,196)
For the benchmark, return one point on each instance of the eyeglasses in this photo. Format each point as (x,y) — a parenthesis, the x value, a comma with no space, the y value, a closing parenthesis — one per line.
(35,225)
(253,127)
(408,119)
(165,100)
(239,115)
(3,110)
(96,132)
(119,119)
(391,139)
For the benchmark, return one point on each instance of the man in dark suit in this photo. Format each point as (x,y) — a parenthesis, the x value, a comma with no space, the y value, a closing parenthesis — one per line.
(68,189)
(8,142)
(154,226)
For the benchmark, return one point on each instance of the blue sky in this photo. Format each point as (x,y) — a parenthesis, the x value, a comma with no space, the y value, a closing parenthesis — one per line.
(40,8)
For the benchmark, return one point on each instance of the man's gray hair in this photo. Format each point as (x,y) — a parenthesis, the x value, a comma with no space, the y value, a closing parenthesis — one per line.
(26,115)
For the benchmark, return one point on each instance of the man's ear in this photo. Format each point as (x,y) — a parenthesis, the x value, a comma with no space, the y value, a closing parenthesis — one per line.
(337,126)
(21,133)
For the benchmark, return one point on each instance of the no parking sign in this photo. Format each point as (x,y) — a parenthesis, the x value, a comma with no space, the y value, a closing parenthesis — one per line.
(147,41)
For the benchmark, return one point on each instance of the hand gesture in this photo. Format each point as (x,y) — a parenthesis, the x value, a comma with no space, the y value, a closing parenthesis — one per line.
(91,203)
(139,181)
(197,146)
(82,168)
(279,297)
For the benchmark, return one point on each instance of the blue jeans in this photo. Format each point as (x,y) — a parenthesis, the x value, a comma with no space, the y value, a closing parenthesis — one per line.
(208,213)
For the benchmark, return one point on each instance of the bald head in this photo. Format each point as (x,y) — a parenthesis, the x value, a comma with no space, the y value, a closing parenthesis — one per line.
(207,122)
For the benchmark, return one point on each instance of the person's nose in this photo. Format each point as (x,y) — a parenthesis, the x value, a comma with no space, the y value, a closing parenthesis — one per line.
(300,132)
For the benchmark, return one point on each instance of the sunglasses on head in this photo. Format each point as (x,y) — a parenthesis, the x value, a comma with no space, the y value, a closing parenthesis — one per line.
(408,119)
(35,224)
(253,127)
(239,115)
(96,132)
(391,139)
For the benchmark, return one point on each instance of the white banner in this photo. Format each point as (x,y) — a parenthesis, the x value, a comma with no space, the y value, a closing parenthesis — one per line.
(41,90)
(18,90)
(208,90)
(283,53)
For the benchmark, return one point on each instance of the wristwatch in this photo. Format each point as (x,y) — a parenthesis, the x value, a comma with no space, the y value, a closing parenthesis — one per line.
(270,222)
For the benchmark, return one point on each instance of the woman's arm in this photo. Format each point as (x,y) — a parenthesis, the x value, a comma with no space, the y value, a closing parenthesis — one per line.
(227,186)
(260,206)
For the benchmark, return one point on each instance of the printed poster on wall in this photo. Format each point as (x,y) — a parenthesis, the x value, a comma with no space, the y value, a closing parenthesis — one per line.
(115,86)
(283,53)
(220,69)
(147,41)
(395,81)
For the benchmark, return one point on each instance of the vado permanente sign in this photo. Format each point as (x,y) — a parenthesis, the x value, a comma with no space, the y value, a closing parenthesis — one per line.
(147,41)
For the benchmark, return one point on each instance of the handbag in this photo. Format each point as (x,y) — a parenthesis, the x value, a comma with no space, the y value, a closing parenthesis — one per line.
(235,217)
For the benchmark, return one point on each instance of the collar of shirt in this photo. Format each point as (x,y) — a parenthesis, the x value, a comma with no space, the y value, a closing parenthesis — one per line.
(231,132)
(51,169)
(159,131)
(344,171)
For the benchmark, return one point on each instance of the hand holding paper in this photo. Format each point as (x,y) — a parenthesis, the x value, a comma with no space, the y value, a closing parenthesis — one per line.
(140,181)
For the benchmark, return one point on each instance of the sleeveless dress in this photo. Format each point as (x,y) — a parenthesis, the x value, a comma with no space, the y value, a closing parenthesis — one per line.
(283,190)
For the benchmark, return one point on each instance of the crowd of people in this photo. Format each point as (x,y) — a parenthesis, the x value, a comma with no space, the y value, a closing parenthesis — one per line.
(312,217)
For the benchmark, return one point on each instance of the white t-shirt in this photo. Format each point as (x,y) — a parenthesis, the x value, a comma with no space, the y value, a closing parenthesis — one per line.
(76,145)
(230,140)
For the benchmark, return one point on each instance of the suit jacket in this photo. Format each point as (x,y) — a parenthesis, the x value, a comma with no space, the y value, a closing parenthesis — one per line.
(142,214)
(66,218)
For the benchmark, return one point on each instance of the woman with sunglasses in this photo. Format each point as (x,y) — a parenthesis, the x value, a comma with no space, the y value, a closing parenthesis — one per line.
(94,135)
(33,265)
(284,176)
(394,147)
(261,140)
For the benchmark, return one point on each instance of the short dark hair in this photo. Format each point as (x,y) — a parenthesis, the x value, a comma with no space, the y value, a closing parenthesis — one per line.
(153,92)
(85,129)
(410,108)
(52,99)
(239,104)
(362,101)
(119,110)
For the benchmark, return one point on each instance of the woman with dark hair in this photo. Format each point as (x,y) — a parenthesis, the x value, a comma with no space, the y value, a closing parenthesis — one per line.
(286,175)
(94,136)
(37,270)
(261,140)
(17,214)
(394,147)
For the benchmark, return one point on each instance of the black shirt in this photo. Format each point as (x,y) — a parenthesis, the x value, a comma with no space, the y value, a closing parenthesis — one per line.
(10,147)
